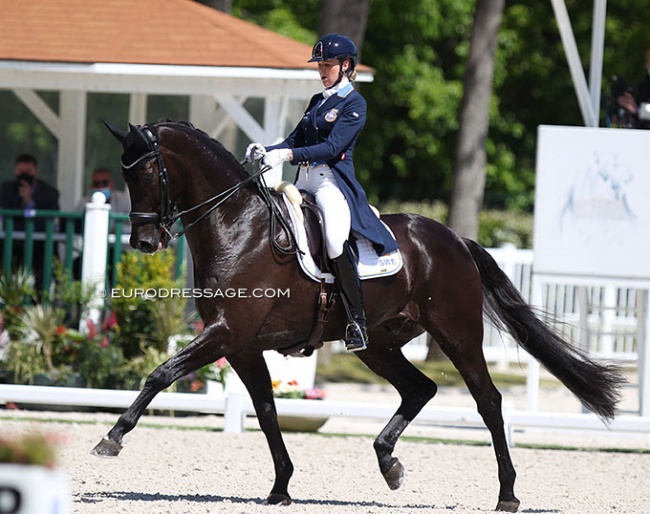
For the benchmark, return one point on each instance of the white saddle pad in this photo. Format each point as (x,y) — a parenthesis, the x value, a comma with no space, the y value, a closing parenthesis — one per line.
(370,264)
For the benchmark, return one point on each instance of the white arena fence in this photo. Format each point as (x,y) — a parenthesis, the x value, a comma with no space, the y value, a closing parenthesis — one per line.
(610,332)
(612,314)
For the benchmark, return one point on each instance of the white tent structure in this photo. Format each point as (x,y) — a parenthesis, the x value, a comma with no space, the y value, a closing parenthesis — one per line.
(588,93)
(172,47)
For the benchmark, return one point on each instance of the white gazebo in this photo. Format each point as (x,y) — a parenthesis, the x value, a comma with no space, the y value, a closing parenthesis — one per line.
(172,47)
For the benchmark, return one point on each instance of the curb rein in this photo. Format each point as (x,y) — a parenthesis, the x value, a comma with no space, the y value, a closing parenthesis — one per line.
(169,215)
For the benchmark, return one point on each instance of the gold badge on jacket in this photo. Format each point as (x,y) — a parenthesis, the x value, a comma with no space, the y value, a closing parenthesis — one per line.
(331,115)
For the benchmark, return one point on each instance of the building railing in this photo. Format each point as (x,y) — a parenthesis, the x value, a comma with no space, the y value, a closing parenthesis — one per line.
(18,246)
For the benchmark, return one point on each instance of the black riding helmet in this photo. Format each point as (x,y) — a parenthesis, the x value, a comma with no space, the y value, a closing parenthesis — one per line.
(334,46)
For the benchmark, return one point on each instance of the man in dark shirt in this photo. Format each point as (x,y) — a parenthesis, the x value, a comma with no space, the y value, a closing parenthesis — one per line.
(638,104)
(28,193)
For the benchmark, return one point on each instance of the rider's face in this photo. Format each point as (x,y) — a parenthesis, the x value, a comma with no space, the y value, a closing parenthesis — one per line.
(329,71)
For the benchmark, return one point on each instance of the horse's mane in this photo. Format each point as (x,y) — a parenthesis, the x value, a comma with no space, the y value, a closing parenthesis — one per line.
(212,143)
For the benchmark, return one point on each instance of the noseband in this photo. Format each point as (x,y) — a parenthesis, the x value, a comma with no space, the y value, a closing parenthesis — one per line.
(168,213)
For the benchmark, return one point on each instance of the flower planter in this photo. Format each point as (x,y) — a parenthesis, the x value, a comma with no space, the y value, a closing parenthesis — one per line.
(301,423)
(26,489)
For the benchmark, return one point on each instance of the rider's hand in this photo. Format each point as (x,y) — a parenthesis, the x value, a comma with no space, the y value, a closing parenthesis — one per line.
(277,157)
(254,152)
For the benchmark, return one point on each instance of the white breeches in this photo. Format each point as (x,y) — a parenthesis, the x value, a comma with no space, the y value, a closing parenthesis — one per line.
(321,182)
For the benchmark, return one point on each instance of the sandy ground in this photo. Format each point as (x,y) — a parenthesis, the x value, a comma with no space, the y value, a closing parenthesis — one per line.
(188,465)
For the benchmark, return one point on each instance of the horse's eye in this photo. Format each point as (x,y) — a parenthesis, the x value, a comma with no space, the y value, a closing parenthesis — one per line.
(147,172)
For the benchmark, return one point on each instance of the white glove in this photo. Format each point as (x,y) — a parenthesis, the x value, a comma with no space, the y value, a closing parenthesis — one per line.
(277,157)
(254,152)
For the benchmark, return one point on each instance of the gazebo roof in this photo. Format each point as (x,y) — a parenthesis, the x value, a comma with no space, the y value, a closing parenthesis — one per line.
(164,32)
(176,32)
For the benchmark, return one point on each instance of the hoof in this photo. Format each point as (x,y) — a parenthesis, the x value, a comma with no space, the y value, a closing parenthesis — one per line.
(395,475)
(278,499)
(508,506)
(107,448)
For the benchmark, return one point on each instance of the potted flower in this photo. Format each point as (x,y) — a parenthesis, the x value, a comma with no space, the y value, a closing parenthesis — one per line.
(30,480)
(291,390)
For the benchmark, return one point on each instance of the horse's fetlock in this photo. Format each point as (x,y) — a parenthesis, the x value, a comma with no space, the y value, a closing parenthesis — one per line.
(382,447)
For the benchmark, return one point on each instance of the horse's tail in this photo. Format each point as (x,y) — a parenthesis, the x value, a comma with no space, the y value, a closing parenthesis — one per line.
(596,385)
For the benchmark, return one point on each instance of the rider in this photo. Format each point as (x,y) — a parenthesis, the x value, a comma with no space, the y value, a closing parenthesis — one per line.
(321,145)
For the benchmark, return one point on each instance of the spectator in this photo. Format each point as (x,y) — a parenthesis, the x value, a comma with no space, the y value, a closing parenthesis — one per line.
(120,202)
(638,104)
(28,193)
(102,181)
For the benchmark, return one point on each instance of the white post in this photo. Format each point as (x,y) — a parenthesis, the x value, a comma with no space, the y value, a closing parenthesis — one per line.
(575,65)
(532,375)
(509,266)
(95,249)
(234,417)
(72,138)
(608,315)
(643,321)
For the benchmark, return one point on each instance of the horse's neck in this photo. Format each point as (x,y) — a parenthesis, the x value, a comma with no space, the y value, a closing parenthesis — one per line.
(228,234)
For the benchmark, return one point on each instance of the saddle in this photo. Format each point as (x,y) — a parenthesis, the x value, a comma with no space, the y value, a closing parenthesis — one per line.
(307,222)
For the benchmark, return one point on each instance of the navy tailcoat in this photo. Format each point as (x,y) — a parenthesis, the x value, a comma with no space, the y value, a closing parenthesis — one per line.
(327,134)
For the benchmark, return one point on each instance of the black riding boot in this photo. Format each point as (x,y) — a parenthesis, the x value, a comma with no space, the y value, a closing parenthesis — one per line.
(348,283)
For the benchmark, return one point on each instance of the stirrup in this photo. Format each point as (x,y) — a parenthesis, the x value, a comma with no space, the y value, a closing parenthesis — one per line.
(356,338)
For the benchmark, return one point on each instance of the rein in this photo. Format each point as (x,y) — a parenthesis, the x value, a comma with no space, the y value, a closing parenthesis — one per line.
(168,214)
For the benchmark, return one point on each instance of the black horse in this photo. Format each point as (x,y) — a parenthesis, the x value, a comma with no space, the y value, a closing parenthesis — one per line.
(176,171)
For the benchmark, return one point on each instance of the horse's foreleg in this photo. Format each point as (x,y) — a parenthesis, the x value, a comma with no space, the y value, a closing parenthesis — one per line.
(254,373)
(195,355)
(415,389)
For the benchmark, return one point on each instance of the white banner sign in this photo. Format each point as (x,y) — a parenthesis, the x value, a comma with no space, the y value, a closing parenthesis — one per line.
(592,203)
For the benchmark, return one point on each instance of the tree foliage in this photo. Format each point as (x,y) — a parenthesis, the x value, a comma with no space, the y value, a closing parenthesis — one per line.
(418,49)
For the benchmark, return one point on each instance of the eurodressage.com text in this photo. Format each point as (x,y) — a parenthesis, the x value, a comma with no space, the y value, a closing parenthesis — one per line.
(187,292)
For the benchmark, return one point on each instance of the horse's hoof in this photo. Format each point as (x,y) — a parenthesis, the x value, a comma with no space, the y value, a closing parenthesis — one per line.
(508,506)
(395,475)
(278,499)
(107,448)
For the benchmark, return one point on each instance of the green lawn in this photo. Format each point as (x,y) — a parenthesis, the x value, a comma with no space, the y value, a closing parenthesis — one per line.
(346,367)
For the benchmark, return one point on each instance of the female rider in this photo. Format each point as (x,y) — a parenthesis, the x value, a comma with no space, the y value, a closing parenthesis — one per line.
(321,145)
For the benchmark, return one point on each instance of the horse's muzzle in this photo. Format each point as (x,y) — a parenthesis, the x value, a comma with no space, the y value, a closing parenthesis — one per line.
(146,241)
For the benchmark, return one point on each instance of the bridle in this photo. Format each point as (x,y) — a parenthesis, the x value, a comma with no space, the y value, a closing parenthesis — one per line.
(168,210)
(166,217)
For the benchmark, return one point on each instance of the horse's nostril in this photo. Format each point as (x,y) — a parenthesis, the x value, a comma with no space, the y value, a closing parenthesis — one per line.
(146,246)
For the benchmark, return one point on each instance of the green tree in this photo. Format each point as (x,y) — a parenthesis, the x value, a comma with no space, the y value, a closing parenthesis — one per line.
(471,157)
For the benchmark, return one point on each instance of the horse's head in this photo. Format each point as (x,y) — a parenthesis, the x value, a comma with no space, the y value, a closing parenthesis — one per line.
(147,179)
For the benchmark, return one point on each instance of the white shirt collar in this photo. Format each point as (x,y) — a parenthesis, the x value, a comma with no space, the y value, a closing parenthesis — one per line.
(335,89)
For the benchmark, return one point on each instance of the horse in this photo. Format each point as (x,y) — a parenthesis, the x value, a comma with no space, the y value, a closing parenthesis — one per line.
(446,285)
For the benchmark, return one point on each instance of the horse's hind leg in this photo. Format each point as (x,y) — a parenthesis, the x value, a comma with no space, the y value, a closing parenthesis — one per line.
(254,373)
(470,362)
(415,390)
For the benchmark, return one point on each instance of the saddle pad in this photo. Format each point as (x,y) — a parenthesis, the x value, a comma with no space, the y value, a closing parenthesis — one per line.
(370,264)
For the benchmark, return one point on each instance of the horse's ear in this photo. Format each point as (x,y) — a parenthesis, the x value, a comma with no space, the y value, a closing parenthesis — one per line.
(118,134)
(140,139)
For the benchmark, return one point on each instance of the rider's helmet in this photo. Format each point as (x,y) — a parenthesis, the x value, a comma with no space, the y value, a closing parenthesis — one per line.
(334,46)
